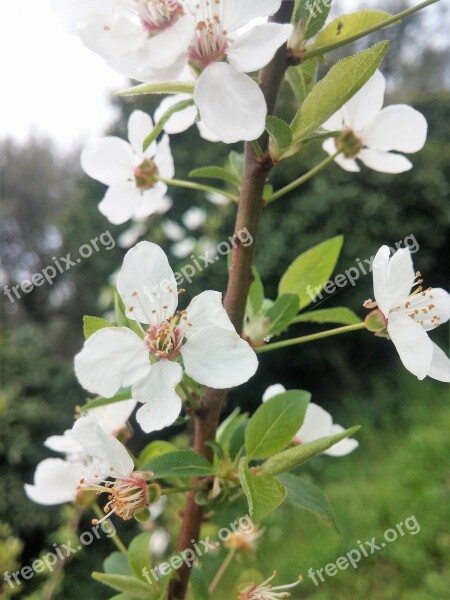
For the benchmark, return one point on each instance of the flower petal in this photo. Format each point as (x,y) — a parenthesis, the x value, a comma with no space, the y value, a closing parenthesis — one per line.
(335,123)
(113,417)
(55,481)
(440,365)
(63,443)
(109,161)
(384,162)
(206,310)
(161,404)
(140,125)
(120,202)
(431,308)
(273,390)
(255,48)
(74,13)
(317,424)
(179,121)
(398,127)
(361,110)
(98,444)
(393,278)
(153,201)
(111,358)
(412,343)
(111,34)
(343,447)
(348,164)
(147,284)
(231,104)
(219,358)
(163,159)
(237,13)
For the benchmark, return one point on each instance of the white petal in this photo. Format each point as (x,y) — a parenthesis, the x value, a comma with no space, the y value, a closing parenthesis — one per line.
(335,122)
(218,358)
(120,202)
(172,230)
(206,310)
(412,343)
(361,110)
(420,303)
(100,445)
(194,217)
(55,481)
(140,125)
(183,248)
(63,443)
(384,162)
(146,284)
(440,365)
(206,133)
(255,49)
(153,201)
(109,160)
(163,159)
(231,104)
(73,13)
(382,292)
(161,404)
(237,13)
(273,390)
(111,35)
(343,447)
(399,127)
(393,278)
(113,417)
(111,358)
(317,424)
(348,164)
(179,121)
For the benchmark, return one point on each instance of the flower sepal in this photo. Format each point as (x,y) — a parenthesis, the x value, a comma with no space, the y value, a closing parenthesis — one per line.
(376,322)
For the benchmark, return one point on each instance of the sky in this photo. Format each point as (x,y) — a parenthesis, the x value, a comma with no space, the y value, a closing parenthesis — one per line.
(50,84)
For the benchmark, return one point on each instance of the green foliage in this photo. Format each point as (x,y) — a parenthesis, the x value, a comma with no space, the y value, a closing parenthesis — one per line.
(93,324)
(139,554)
(216,173)
(302,79)
(341,315)
(99,401)
(280,136)
(176,87)
(264,493)
(126,583)
(313,15)
(181,463)
(348,25)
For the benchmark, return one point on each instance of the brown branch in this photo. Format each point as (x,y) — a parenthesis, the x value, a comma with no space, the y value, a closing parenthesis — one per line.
(248,215)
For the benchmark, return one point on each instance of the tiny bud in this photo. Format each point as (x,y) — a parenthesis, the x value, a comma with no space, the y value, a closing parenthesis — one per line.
(153,493)
(142,515)
(376,322)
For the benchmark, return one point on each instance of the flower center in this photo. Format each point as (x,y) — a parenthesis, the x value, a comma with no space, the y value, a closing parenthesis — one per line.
(165,340)
(211,41)
(157,15)
(125,496)
(349,144)
(146,174)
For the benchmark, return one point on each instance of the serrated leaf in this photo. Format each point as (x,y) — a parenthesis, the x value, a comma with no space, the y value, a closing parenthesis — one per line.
(264,493)
(348,25)
(93,324)
(275,423)
(294,457)
(341,315)
(117,563)
(282,312)
(125,583)
(311,270)
(99,401)
(305,495)
(173,87)
(216,448)
(314,14)
(199,585)
(340,84)
(237,441)
(302,79)
(153,449)
(181,463)
(139,554)
(255,295)
(280,135)
(216,173)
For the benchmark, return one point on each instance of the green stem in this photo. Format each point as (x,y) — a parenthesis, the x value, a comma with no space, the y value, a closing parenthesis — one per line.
(182,490)
(310,338)
(257,150)
(223,567)
(303,179)
(196,405)
(192,185)
(115,538)
(309,54)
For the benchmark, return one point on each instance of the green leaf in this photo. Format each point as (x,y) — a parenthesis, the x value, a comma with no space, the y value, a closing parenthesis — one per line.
(116,563)
(264,493)
(154,449)
(340,84)
(275,423)
(340,314)
(199,585)
(294,457)
(302,79)
(159,127)
(255,295)
(311,270)
(216,448)
(125,583)
(282,312)
(305,495)
(216,173)
(314,14)
(228,426)
(99,401)
(236,160)
(181,463)
(173,87)
(346,26)
(139,554)
(123,597)
(280,134)
(93,324)
(237,442)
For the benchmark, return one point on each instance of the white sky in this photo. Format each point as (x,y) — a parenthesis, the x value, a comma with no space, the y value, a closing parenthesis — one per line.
(50,84)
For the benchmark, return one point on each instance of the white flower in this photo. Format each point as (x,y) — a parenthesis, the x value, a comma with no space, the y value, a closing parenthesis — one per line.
(411,315)
(318,423)
(266,591)
(142,39)
(371,132)
(202,336)
(194,218)
(131,174)
(127,493)
(172,230)
(159,542)
(184,247)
